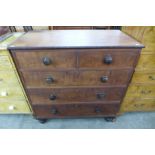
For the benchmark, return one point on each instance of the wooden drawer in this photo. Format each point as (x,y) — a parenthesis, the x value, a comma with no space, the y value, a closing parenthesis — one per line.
(4,52)
(76,78)
(5,63)
(8,78)
(137,104)
(146,61)
(46,59)
(9,107)
(108,58)
(63,95)
(144,77)
(76,110)
(145,91)
(9,93)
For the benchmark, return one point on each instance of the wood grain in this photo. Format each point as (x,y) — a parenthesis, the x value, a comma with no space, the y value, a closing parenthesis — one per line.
(33,60)
(71,95)
(35,79)
(75,39)
(76,110)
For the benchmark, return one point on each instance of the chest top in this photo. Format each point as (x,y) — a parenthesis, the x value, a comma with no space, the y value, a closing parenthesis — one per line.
(75,39)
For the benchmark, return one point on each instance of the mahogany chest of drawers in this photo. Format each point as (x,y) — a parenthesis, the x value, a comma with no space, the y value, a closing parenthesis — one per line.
(75,73)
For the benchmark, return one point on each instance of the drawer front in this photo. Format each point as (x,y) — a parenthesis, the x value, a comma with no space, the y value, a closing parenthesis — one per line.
(146,61)
(8,78)
(8,107)
(63,95)
(4,52)
(5,62)
(76,110)
(112,58)
(76,78)
(8,93)
(144,91)
(137,104)
(144,77)
(47,59)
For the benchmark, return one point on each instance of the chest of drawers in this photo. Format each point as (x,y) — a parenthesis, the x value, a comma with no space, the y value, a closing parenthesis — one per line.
(12,96)
(75,73)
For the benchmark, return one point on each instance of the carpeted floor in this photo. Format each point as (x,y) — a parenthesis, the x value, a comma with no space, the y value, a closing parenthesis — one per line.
(126,121)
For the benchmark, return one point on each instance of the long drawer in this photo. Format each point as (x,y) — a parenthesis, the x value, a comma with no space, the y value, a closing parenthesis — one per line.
(14,106)
(76,78)
(46,59)
(76,110)
(108,58)
(81,58)
(63,95)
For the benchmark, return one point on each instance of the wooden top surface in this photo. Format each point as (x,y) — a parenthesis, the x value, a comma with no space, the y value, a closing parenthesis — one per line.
(75,39)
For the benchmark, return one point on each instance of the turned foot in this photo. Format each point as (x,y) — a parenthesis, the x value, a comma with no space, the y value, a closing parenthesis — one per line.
(110,119)
(42,120)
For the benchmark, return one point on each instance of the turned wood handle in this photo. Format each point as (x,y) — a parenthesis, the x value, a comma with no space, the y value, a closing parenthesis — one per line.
(108,59)
(100,95)
(49,79)
(52,97)
(46,61)
(104,79)
(98,110)
(54,111)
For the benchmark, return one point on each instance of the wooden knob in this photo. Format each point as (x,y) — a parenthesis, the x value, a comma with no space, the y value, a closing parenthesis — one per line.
(52,97)
(101,95)
(49,80)
(104,79)
(108,59)
(98,110)
(46,61)
(54,111)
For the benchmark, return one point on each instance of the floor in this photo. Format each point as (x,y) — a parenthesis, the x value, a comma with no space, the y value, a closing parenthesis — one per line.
(126,121)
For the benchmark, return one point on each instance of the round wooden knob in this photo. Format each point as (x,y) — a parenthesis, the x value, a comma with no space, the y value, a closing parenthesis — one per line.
(108,59)
(98,110)
(46,61)
(52,97)
(104,79)
(100,95)
(49,80)
(54,111)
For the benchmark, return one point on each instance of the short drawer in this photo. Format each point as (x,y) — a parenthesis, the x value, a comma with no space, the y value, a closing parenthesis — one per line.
(108,58)
(8,93)
(4,52)
(144,77)
(63,95)
(9,107)
(137,104)
(5,63)
(8,78)
(76,78)
(76,110)
(141,90)
(146,61)
(45,59)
